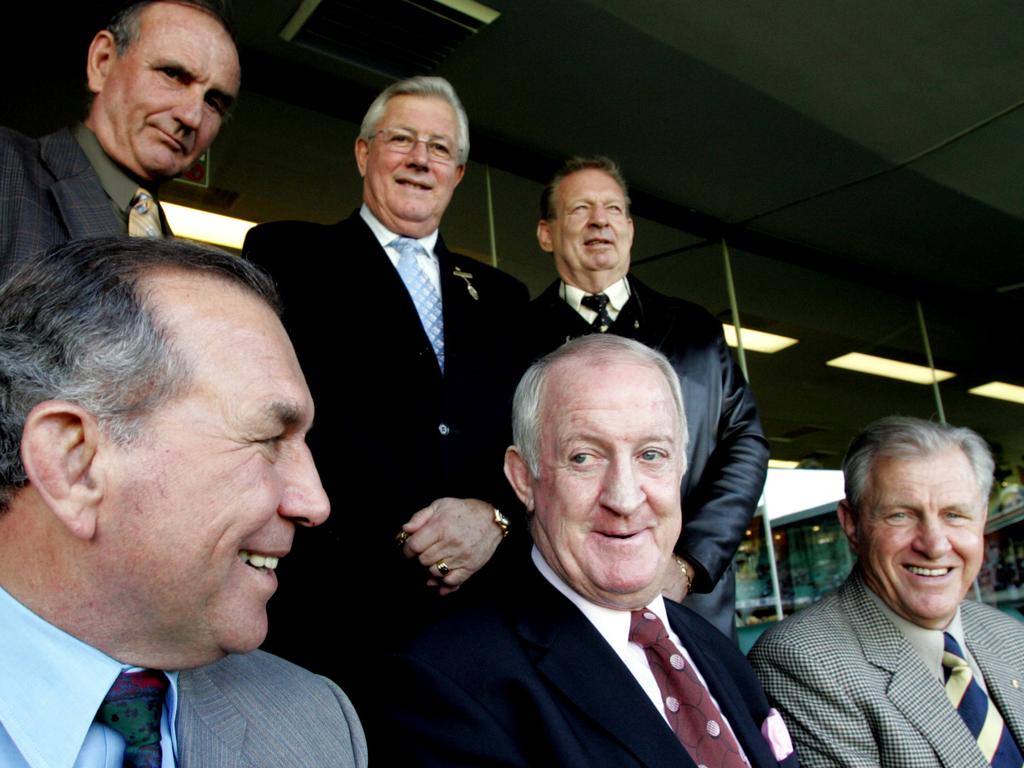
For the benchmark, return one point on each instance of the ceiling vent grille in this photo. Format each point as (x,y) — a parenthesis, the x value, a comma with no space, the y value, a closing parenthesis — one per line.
(398,38)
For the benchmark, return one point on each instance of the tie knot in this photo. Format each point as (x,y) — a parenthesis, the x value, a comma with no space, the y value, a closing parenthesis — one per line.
(595,301)
(646,629)
(407,247)
(133,705)
(954,655)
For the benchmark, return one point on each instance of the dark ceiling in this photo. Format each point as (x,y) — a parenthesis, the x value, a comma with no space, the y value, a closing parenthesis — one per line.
(856,158)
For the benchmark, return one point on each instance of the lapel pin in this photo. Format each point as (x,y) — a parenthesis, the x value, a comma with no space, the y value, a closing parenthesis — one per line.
(467,276)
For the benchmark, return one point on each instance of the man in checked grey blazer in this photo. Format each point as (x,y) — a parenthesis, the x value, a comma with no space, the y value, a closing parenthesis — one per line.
(153,470)
(859,677)
(163,76)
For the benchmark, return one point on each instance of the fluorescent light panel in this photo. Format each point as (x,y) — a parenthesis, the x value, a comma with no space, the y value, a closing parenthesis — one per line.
(1000,391)
(207,227)
(757,341)
(893,369)
(782,464)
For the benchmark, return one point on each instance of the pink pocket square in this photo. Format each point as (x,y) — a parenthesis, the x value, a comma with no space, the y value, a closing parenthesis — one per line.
(777,735)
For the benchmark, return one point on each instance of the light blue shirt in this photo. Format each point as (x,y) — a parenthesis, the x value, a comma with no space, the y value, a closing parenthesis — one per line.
(51,685)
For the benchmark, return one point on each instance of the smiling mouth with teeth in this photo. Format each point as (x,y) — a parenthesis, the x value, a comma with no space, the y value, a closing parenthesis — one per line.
(919,571)
(259,562)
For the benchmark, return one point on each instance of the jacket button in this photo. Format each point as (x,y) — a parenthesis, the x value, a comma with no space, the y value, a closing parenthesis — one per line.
(443,428)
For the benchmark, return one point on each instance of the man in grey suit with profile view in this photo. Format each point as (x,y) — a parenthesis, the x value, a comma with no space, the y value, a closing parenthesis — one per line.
(896,669)
(153,470)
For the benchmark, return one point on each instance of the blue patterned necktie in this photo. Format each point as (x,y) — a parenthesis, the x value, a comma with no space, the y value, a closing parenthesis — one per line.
(422,291)
(132,707)
(977,710)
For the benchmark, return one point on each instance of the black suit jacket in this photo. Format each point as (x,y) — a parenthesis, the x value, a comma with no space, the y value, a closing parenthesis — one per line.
(391,434)
(49,194)
(526,680)
(727,455)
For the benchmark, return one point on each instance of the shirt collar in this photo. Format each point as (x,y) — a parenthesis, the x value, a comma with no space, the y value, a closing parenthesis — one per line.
(617,293)
(385,236)
(52,683)
(119,186)
(927,643)
(612,624)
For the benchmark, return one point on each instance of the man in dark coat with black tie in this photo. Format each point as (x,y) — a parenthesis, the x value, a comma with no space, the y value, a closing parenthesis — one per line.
(585,223)
(163,76)
(585,663)
(408,350)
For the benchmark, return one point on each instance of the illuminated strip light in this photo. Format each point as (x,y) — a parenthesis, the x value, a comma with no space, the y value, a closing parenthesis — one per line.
(893,369)
(207,227)
(782,464)
(757,341)
(1000,391)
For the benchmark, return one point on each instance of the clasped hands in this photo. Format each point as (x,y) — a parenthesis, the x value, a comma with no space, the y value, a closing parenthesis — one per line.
(452,539)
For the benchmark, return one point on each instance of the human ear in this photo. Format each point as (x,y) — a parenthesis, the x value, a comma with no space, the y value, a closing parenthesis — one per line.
(544,236)
(848,519)
(59,448)
(102,54)
(518,475)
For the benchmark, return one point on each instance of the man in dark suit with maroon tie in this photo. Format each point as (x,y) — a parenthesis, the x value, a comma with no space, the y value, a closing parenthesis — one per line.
(410,355)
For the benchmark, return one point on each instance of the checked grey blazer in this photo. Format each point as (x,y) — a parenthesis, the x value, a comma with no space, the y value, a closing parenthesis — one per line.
(854,693)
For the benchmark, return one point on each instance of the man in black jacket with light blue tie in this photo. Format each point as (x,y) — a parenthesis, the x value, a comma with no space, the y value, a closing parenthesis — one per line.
(410,352)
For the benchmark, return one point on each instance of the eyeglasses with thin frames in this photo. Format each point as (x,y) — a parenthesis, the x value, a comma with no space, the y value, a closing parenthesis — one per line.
(403,142)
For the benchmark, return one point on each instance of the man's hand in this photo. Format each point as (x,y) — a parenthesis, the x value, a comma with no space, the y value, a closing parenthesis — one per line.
(677,584)
(458,533)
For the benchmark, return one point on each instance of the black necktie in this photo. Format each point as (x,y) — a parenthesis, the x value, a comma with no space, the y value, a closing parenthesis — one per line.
(599,303)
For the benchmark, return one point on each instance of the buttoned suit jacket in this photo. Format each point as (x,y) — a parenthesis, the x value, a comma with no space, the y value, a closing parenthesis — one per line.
(524,679)
(727,454)
(255,710)
(391,433)
(49,194)
(854,692)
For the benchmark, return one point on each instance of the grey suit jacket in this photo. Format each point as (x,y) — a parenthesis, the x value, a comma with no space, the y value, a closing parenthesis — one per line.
(854,693)
(252,710)
(49,194)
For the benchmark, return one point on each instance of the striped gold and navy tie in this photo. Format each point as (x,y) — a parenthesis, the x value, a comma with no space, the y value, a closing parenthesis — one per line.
(979,713)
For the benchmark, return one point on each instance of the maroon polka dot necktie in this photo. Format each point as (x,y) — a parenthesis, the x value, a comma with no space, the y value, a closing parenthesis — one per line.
(694,717)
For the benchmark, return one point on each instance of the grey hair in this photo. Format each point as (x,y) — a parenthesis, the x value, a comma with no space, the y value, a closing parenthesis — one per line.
(597,349)
(75,325)
(124,24)
(421,85)
(575,165)
(906,437)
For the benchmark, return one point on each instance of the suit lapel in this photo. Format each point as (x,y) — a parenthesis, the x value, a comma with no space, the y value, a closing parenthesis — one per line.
(84,206)
(573,656)
(912,689)
(211,731)
(999,674)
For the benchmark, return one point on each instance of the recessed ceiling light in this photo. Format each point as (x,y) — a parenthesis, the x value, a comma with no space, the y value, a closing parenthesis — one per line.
(757,341)
(208,227)
(1000,391)
(893,369)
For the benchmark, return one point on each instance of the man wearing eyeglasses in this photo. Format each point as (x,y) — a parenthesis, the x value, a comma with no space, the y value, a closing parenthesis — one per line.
(409,353)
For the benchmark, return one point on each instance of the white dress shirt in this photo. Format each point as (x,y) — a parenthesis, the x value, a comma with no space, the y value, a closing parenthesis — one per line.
(617,293)
(51,685)
(427,259)
(613,626)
